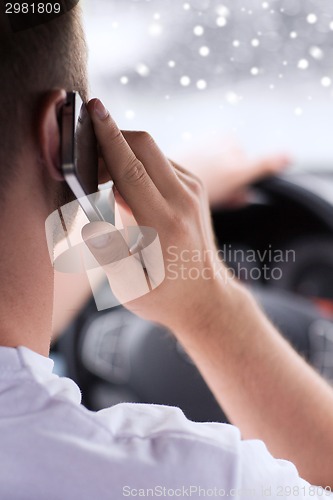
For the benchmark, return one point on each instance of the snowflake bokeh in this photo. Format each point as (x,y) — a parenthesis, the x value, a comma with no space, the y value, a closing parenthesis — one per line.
(221,42)
(235,52)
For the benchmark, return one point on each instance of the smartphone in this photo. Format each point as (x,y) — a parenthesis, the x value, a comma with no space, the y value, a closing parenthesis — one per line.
(79,155)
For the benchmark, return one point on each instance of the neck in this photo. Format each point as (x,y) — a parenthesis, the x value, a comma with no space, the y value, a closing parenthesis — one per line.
(26,277)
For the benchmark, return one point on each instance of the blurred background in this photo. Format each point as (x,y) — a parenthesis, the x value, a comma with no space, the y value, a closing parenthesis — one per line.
(203,76)
(260,71)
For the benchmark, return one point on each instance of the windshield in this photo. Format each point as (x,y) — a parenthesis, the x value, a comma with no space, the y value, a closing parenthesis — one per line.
(259,71)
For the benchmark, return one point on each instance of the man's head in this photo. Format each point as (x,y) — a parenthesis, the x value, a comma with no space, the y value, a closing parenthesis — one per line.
(34,63)
(37,66)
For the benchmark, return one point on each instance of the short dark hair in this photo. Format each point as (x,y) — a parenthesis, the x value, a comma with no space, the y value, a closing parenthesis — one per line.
(32,62)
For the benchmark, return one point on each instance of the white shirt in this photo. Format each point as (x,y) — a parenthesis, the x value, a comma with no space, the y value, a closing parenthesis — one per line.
(51,447)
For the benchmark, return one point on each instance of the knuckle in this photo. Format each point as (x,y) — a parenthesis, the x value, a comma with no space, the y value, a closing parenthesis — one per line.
(197,185)
(134,171)
(191,194)
(141,140)
(176,225)
(145,138)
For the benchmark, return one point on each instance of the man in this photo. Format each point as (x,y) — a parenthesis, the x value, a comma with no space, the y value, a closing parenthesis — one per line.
(51,446)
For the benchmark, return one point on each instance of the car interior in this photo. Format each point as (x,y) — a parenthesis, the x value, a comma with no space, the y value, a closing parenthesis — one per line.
(116,357)
(269,87)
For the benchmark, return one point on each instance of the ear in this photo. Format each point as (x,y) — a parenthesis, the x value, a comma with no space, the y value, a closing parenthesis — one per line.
(49,132)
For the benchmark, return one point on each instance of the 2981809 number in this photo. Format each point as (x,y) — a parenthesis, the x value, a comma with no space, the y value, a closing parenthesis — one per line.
(303,491)
(33,8)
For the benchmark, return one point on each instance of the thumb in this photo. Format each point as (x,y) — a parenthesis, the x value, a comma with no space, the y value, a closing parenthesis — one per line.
(105,242)
(124,271)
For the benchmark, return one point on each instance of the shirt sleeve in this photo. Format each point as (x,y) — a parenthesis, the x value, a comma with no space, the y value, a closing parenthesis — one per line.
(172,456)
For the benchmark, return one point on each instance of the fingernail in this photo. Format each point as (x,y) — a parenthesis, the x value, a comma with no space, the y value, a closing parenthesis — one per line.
(100,241)
(100,110)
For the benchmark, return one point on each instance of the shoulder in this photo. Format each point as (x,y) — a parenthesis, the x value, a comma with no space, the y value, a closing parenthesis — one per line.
(210,455)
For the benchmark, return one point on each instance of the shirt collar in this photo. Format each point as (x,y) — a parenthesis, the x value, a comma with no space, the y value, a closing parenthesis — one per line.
(21,357)
(20,364)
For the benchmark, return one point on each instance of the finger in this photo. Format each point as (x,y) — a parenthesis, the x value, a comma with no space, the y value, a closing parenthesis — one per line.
(120,201)
(190,180)
(124,271)
(105,242)
(103,174)
(194,184)
(127,172)
(189,183)
(179,168)
(156,163)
